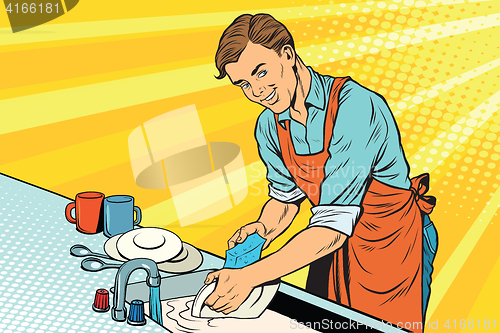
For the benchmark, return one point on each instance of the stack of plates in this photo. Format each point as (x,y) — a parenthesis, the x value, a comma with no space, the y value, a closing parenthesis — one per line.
(160,245)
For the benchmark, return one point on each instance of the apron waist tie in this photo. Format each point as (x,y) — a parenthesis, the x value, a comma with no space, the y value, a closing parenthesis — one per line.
(419,187)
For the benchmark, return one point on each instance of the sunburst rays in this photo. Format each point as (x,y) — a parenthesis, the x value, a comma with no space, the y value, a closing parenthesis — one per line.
(455,262)
(434,61)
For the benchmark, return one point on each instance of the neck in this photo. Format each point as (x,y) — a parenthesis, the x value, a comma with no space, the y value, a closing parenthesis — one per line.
(298,110)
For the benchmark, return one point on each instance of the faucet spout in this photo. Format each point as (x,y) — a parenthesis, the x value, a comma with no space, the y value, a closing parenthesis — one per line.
(119,312)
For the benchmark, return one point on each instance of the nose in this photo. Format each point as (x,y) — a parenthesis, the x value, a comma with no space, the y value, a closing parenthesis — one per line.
(257,92)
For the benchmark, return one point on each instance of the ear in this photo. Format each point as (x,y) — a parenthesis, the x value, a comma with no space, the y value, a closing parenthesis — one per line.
(288,52)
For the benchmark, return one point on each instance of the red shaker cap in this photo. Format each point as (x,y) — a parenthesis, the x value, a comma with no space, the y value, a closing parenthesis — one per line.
(101,301)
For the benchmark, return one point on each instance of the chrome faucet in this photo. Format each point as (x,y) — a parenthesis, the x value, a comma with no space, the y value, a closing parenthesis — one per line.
(119,312)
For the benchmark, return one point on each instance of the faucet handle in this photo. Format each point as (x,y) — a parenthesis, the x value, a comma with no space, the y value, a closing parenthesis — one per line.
(136,315)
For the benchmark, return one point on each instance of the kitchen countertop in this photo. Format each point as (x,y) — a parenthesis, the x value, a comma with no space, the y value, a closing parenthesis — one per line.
(43,288)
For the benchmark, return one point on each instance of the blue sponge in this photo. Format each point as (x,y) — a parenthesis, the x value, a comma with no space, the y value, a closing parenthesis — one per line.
(245,253)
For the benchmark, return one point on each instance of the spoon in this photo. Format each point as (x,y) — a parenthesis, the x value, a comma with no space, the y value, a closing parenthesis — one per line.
(95,265)
(79,250)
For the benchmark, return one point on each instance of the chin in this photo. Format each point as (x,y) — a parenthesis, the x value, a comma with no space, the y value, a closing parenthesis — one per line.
(279,107)
(277,111)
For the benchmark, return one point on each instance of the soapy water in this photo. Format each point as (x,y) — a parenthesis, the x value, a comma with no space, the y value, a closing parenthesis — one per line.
(177,318)
(155,305)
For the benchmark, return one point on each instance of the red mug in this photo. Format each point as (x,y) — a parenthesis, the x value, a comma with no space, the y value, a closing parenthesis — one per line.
(88,209)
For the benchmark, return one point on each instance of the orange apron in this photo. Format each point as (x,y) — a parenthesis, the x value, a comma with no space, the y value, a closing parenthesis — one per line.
(378,270)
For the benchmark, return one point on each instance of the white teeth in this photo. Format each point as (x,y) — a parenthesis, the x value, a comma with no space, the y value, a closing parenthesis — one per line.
(270,96)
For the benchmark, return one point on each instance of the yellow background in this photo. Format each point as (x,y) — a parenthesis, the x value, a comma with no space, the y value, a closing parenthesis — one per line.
(72,90)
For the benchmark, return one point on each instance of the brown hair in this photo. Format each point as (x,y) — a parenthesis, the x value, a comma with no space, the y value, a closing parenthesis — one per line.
(260,29)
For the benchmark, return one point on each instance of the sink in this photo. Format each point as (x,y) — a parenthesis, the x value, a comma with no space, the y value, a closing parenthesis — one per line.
(282,315)
(171,287)
(177,294)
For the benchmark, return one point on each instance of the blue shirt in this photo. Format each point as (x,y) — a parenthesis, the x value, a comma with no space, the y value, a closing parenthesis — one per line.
(365,144)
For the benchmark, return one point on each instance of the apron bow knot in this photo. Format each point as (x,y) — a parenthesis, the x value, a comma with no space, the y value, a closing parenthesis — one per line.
(420,186)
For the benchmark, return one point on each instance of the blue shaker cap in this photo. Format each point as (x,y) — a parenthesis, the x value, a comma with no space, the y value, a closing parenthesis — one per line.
(136,314)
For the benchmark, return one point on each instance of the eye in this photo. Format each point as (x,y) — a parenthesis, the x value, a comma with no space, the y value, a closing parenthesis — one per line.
(263,73)
(245,85)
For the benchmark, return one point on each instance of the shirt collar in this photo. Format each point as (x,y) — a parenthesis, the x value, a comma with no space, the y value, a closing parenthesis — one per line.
(315,97)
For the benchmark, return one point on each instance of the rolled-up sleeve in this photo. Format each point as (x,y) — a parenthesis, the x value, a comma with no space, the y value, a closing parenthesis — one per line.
(281,184)
(340,218)
(360,131)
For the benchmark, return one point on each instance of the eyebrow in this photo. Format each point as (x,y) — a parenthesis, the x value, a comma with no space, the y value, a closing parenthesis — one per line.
(253,73)
(257,68)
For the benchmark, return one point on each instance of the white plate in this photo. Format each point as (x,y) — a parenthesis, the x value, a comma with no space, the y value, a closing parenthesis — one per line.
(157,244)
(201,297)
(253,307)
(192,261)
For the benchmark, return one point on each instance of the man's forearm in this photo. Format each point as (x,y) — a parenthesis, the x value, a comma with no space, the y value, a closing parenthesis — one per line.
(276,217)
(307,246)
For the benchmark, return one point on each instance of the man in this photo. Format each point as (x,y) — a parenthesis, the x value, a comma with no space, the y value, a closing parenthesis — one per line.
(336,143)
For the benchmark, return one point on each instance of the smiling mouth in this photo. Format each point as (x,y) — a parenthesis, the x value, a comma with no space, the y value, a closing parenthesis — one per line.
(271,95)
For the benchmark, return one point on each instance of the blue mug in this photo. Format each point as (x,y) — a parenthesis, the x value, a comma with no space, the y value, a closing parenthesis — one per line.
(119,214)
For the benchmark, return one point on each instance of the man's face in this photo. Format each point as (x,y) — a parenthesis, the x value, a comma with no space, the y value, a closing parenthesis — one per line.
(265,77)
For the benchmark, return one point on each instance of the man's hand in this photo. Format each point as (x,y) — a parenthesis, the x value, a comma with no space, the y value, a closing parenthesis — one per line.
(233,288)
(242,234)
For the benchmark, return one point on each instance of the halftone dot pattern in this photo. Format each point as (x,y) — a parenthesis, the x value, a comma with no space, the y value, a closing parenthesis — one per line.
(436,64)
(42,287)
